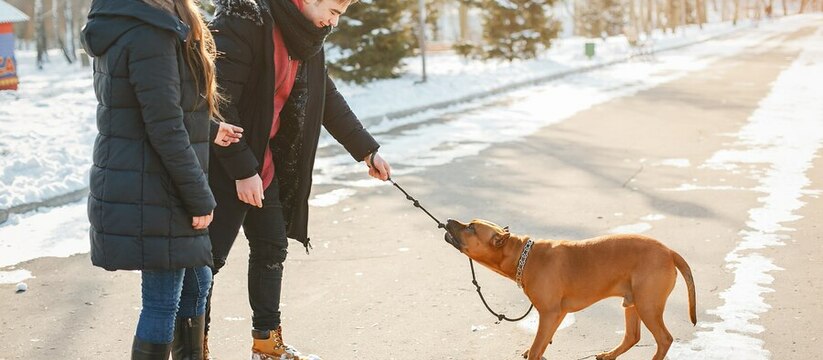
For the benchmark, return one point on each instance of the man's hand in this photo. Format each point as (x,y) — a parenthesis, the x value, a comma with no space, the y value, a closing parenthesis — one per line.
(201,222)
(228,134)
(250,190)
(378,168)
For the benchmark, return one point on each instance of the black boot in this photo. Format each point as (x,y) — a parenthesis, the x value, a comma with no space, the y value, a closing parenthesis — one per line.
(141,350)
(188,338)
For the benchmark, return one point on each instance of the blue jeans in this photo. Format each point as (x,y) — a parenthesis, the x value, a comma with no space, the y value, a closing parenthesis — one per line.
(168,294)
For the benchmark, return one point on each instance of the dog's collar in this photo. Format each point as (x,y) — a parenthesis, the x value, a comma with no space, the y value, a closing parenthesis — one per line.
(522,263)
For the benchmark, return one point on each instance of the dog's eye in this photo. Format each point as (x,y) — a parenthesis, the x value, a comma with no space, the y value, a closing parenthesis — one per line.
(470,227)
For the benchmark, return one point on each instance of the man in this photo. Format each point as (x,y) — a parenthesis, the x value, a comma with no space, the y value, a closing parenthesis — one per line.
(272,70)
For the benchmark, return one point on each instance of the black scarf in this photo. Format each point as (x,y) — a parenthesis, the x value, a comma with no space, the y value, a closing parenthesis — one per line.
(302,38)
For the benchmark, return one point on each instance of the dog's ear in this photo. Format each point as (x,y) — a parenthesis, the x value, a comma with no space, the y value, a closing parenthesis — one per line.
(506,228)
(500,239)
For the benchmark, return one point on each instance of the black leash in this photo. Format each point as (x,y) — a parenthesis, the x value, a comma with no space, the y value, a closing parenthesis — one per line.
(440,225)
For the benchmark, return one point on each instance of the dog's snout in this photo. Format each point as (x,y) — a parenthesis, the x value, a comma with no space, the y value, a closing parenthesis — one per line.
(450,226)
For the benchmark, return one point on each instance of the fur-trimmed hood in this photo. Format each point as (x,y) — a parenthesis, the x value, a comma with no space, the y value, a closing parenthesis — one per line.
(251,10)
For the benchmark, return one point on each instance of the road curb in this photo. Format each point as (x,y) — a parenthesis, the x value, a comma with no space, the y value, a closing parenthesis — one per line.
(58,200)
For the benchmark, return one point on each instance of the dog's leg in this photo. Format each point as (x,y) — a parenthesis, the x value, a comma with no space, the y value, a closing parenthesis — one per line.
(650,294)
(652,316)
(631,337)
(547,325)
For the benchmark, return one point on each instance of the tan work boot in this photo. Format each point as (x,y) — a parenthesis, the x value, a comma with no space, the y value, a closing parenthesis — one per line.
(268,345)
(206,354)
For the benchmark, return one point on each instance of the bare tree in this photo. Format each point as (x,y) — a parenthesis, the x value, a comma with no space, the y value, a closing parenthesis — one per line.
(55,25)
(68,17)
(634,20)
(40,33)
(803,5)
(701,12)
(463,14)
(671,17)
(736,12)
(724,10)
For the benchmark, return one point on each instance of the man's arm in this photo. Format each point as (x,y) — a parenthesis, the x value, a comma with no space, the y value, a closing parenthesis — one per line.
(344,126)
(233,65)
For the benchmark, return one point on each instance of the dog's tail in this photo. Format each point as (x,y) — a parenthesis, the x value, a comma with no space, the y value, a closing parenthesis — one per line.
(686,271)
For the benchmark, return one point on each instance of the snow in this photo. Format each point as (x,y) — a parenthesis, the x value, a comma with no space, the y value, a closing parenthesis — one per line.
(637,228)
(529,324)
(61,232)
(681,163)
(49,129)
(14,276)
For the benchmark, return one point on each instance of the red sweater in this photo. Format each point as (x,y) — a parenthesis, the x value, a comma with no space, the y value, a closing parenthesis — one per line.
(285,71)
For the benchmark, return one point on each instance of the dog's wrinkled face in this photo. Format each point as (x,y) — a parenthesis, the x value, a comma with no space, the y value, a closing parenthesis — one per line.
(477,237)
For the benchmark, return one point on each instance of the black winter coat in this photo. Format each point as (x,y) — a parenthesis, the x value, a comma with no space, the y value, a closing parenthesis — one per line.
(148,177)
(242,30)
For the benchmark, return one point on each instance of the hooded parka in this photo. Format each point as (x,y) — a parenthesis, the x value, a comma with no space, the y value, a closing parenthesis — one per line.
(150,160)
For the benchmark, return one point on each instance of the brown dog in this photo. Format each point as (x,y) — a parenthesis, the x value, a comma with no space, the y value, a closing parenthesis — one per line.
(560,277)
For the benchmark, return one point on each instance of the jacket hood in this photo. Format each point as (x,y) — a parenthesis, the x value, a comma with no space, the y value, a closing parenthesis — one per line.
(109,19)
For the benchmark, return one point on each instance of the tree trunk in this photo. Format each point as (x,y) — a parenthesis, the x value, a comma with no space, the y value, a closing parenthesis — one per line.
(68,16)
(56,28)
(54,19)
(803,4)
(634,24)
(724,10)
(671,19)
(463,15)
(641,16)
(40,33)
(736,12)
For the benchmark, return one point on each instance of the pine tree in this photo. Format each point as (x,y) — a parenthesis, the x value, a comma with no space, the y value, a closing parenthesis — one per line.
(371,40)
(517,29)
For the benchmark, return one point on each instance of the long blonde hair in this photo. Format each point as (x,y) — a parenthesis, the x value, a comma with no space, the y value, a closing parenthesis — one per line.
(200,54)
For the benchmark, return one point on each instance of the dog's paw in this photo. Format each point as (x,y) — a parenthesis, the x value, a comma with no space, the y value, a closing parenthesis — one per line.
(604,356)
(526,353)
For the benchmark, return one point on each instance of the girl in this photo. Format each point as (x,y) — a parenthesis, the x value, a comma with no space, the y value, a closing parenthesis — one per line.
(149,203)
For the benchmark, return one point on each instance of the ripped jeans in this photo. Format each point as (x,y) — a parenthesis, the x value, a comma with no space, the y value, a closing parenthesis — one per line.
(265,230)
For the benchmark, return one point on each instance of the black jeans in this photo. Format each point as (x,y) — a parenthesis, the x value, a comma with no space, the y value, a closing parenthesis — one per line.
(266,231)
